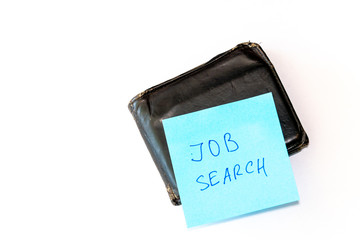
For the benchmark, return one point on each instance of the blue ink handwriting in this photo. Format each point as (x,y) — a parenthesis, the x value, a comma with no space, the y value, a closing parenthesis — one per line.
(214,147)
(212,178)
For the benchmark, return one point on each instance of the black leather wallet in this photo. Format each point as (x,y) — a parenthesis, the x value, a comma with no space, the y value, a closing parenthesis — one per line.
(239,73)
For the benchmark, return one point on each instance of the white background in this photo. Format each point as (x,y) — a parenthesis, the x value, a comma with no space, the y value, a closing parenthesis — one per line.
(72,162)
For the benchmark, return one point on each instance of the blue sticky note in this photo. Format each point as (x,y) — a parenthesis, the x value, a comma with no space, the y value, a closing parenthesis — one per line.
(230,160)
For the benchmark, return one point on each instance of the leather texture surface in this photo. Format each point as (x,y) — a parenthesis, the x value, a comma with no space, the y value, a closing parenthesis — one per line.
(242,72)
